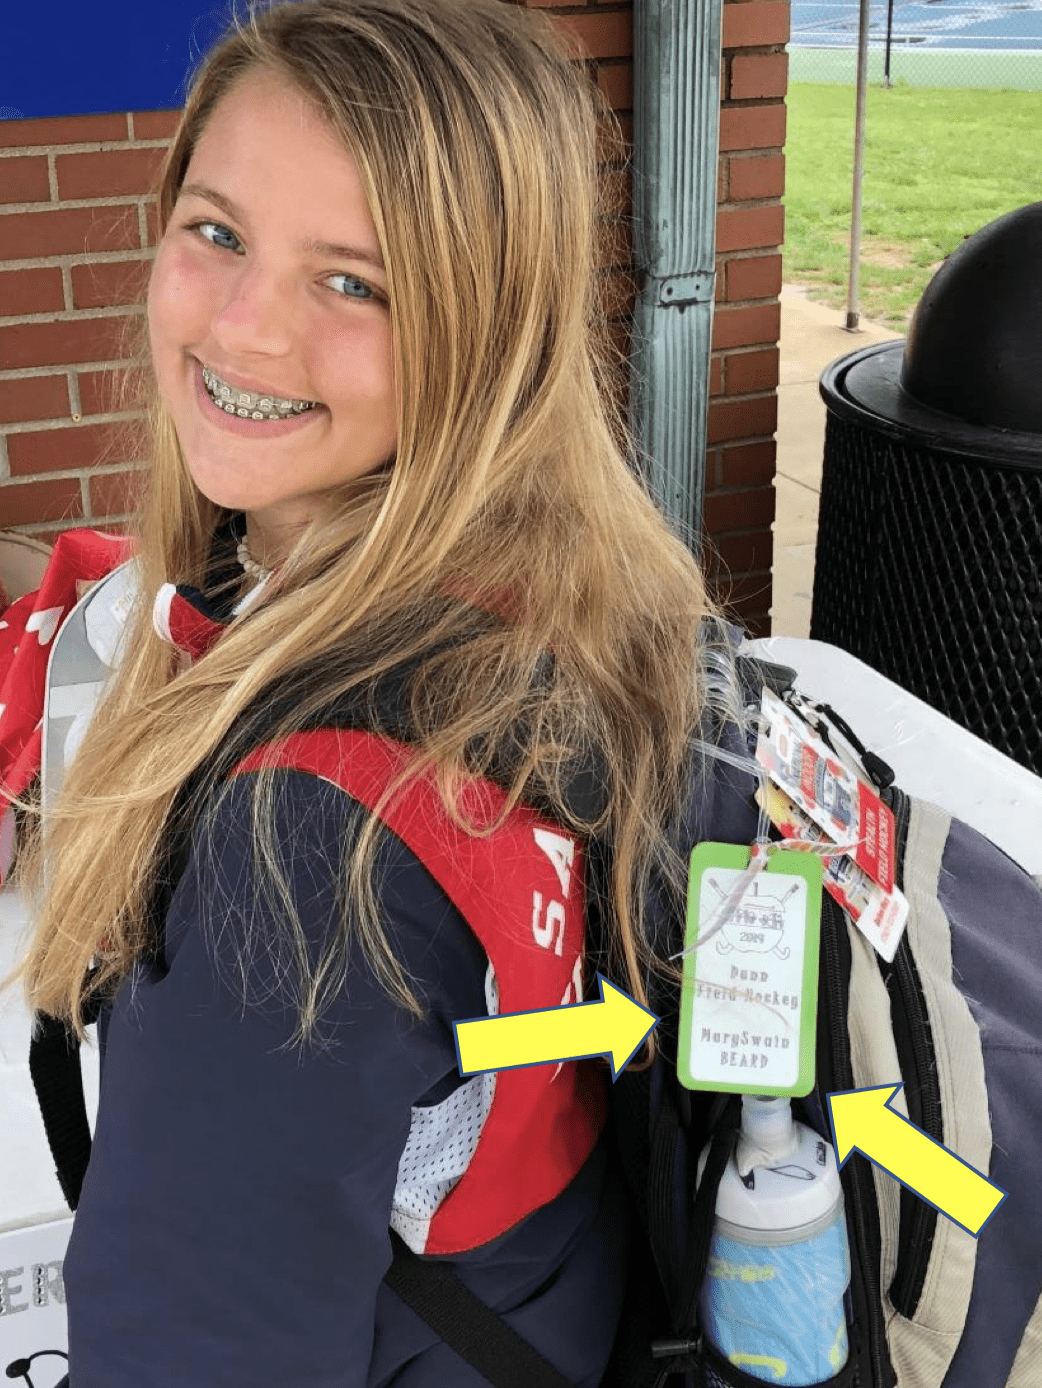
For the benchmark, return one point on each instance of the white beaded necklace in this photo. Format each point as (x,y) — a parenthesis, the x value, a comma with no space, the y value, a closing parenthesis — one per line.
(249,565)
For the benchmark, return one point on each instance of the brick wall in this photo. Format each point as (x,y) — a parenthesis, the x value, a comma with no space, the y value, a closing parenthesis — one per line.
(743,409)
(77,232)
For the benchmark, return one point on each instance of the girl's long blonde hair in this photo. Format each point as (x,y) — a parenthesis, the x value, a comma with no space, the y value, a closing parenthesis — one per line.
(476,136)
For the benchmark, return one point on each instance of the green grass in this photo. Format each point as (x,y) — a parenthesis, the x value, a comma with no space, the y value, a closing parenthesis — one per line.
(939,164)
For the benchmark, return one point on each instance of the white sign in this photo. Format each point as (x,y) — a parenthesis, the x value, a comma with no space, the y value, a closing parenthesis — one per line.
(32,1299)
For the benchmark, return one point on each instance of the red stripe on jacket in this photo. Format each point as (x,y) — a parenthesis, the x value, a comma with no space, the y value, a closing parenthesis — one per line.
(517,892)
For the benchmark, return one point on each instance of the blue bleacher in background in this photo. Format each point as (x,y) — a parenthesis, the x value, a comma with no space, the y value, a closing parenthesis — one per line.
(70,59)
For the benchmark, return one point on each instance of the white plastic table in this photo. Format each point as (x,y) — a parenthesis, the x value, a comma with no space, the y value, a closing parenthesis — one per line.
(932,757)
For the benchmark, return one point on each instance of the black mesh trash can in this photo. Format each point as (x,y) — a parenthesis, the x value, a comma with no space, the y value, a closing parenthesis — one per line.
(928,564)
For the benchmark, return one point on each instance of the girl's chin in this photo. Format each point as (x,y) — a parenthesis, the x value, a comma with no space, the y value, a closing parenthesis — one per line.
(273,510)
(234,494)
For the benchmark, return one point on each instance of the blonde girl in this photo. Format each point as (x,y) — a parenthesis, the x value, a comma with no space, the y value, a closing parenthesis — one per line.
(409,634)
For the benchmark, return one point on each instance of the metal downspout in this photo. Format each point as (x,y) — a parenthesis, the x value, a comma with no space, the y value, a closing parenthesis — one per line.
(676,129)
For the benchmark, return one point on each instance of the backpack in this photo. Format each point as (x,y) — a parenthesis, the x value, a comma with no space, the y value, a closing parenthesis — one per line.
(955,1017)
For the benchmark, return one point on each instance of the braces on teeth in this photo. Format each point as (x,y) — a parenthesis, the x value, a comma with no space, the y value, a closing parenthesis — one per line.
(247,405)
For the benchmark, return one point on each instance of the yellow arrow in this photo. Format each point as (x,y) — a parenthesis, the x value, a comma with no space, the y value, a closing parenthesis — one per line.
(615,1026)
(863,1119)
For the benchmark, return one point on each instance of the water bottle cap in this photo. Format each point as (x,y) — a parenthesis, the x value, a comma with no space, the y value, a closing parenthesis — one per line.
(778,1192)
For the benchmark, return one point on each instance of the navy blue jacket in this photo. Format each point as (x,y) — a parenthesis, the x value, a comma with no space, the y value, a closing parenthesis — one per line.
(233,1225)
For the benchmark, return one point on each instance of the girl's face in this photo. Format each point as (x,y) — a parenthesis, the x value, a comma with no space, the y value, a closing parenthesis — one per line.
(269,276)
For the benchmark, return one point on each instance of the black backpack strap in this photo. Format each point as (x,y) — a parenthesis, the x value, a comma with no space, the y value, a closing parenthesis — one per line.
(680,1238)
(725,1126)
(54,1051)
(466,1324)
(54,1066)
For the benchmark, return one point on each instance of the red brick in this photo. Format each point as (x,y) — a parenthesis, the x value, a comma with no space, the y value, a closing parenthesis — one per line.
(115,493)
(54,450)
(614,243)
(742,510)
(24,180)
(155,125)
(759,176)
(756,23)
(740,554)
(720,286)
(68,231)
(34,397)
(152,222)
(758,75)
(756,624)
(748,465)
(109,283)
(748,600)
(723,175)
(749,228)
(750,417)
(616,193)
(621,337)
(616,82)
(62,130)
(752,127)
(107,173)
(60,344)
(619,291)
(759,277)
(747,594)
(100,391)
(599,35)
(31,291)
(716,376)
(752,371)
(746,327)
(26,503)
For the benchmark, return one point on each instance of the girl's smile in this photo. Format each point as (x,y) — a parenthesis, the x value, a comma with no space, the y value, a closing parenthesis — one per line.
(249,427)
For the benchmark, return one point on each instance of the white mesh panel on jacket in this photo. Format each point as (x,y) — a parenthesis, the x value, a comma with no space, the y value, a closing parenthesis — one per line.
(442,1139)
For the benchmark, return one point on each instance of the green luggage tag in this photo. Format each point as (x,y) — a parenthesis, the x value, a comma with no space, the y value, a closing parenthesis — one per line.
(750,987)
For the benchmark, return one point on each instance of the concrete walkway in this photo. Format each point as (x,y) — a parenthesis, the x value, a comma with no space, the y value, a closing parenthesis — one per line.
(812,336)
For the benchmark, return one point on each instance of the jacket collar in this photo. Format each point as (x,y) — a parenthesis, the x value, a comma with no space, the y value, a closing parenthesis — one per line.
(193,619)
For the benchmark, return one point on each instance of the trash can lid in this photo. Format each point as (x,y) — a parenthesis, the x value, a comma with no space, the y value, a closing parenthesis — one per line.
(974,345)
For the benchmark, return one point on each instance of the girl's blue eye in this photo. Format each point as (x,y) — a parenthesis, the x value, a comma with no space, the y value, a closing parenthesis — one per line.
(361,284)
(221,230)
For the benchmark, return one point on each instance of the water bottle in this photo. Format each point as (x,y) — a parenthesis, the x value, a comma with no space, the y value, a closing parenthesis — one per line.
(779,1261)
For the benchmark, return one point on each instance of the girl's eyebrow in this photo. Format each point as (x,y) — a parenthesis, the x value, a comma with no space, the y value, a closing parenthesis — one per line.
(309,247)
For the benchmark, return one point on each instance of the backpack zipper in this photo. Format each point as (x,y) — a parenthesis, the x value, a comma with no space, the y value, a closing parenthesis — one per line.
(913,1039)
(873,1367)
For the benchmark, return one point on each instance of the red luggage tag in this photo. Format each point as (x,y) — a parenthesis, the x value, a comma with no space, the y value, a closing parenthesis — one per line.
(827,790)
(748,1004)
(879,915)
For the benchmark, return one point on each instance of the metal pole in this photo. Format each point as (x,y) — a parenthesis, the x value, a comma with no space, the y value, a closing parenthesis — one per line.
(676,125)
(853,311)
(889,36)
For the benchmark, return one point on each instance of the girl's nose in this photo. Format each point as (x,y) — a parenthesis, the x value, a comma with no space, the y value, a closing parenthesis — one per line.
(257,316)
